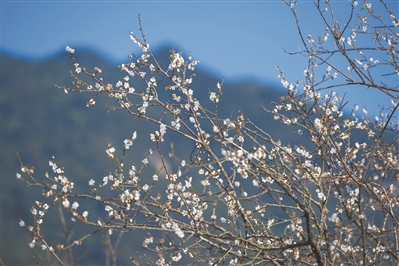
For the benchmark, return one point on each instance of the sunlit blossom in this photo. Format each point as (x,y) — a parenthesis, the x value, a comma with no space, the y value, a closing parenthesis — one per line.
(70,50)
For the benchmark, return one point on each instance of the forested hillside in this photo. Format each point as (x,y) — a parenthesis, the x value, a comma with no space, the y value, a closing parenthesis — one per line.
(40,121)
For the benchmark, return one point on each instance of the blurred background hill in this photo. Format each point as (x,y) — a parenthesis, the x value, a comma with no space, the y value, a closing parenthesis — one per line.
(40,121)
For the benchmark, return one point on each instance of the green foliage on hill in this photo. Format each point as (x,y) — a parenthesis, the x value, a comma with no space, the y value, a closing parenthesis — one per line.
(39,121)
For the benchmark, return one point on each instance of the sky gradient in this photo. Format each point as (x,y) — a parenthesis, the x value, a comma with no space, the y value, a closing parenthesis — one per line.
(238,39)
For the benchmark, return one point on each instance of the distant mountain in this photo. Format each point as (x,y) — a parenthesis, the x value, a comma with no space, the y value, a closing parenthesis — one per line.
(40,121)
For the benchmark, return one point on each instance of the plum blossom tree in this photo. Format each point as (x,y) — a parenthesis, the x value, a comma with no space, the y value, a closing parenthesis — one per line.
(240,196)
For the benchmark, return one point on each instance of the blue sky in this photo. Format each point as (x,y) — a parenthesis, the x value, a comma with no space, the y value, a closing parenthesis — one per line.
(238,39)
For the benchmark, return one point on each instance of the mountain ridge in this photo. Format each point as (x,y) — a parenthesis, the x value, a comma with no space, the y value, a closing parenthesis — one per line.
(40,121)
(117,61)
